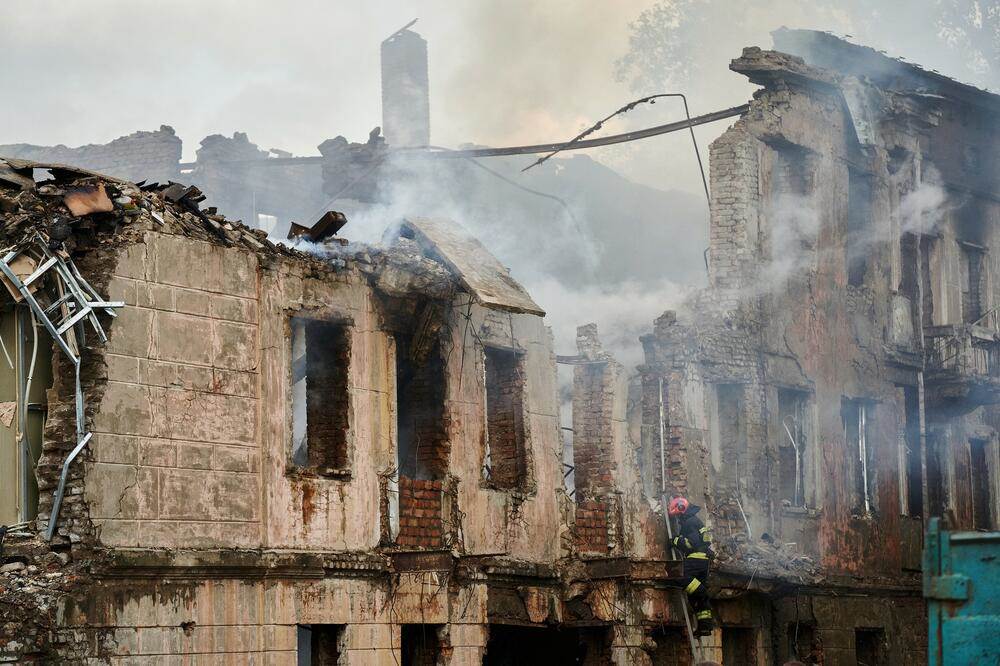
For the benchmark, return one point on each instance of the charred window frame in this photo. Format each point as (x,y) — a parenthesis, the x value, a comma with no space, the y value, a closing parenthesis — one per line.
(980,485)
(320,371)
(856,414)
(972,263)
(859,226)
(911,453)
(793,220)
(505,452)
(421,426)
(795,450)
(728,433)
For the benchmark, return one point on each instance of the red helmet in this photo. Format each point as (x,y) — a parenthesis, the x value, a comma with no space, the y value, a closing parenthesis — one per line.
(678,505)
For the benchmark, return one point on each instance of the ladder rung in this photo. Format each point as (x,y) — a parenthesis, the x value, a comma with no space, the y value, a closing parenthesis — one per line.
(40,271)
(68,324)
(58,303)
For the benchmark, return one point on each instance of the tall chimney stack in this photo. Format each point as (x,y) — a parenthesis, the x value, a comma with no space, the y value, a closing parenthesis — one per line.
(406,116)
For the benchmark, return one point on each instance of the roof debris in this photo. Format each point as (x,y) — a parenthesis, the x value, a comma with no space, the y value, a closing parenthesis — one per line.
(326,227)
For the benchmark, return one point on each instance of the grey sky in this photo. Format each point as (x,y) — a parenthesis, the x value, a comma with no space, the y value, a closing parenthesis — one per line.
(291,74)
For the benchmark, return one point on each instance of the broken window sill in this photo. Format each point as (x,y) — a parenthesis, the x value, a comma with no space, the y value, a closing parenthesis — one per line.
(800,511)
(516,492)
(333,473)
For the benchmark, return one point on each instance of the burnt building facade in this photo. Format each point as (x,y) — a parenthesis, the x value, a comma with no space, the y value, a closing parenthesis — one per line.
(351,456)
(836,383)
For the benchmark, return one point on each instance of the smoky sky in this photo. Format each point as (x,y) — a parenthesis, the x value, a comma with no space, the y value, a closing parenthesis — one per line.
(291,74)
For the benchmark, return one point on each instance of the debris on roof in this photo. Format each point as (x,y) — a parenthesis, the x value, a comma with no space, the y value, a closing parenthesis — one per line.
(81,208)
(328,225)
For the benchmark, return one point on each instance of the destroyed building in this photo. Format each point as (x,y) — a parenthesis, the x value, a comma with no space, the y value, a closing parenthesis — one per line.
(350,455)
(837,382)
(337,453)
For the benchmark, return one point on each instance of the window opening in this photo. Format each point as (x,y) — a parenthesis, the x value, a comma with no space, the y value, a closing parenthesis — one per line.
(320,399)
(504,461)
(979,483)
(859,223)
(794,439)
(856,415)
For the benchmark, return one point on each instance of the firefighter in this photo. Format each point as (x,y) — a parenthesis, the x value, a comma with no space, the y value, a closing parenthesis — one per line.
(694,541)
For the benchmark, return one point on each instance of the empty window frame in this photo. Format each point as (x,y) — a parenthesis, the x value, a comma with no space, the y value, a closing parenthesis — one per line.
(856,415)
(320,399)
(504,464)
(869,646)
(420,645)
(802,643)
(422,438)
(979,485)
(927,245)
(794,446)
(937,492)
(739,645)
(793,218)
(319,644)
(729,430)
(859,227)
(911,454)
(972,269)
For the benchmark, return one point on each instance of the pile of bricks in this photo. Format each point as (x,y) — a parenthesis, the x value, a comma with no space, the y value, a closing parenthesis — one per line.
(420,521)
(591,526)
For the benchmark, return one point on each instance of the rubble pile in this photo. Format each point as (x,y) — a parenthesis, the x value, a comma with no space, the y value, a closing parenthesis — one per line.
(767,559)
(33,580)
(76,205)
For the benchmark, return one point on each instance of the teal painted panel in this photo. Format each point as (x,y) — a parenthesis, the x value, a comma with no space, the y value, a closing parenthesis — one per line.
(962,586)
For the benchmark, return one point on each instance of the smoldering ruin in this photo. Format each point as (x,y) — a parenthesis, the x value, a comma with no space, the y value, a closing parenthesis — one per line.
(232,432)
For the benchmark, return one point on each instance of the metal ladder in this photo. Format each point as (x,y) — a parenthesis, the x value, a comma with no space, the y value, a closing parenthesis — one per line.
(695,642)
(74,302)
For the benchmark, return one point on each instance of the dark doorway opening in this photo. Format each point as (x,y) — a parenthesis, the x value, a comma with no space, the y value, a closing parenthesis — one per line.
(739,645)
(868,646)
(510,645)
(319,644)
(420,644)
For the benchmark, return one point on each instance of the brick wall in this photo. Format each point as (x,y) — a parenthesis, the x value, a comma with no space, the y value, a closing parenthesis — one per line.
(151,156)
(593,445)
(234,174)
(420,513)
(505,416)
(735,197)
(591,527)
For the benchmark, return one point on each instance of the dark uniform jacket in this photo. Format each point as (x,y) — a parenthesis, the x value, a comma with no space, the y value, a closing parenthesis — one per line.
(694,539)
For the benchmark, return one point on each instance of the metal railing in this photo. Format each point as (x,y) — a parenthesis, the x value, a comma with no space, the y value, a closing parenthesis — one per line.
(968,349)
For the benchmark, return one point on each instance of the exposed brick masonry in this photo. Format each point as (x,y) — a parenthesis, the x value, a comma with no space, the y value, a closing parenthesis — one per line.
(420,521)
(328,357)
(505,416)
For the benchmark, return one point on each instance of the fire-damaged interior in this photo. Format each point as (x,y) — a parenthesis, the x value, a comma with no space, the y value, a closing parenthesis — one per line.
(216,447)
